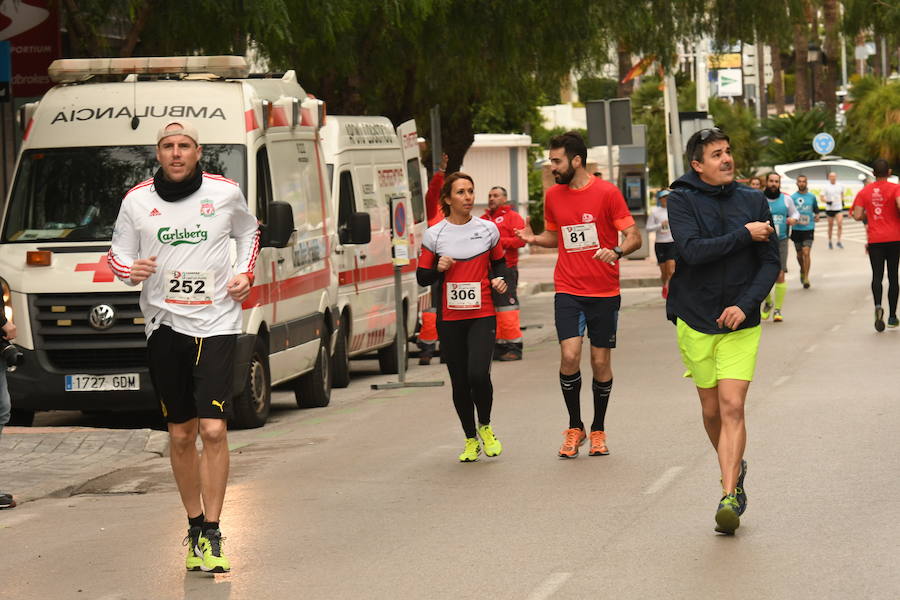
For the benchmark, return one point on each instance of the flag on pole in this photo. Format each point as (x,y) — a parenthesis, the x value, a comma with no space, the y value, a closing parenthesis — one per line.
(639,69)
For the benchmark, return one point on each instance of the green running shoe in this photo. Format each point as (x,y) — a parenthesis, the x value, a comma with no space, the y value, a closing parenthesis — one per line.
(893,322)
(492,446)
(728,515)
(194,554)
(739,491)
(766,309)
(214,560)
(879,319)
(473,449)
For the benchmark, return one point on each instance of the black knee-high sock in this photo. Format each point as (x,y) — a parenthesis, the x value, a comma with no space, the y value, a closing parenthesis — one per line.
(602,390)
(571,391)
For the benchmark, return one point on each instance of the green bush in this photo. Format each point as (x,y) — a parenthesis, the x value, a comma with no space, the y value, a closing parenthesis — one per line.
(597,88)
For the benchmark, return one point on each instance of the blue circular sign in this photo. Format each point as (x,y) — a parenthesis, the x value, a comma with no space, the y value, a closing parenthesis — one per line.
(823,143)
(399,220)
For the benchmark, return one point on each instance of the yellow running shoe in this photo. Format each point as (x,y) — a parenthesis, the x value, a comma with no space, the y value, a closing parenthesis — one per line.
(194,554)
(473,449)
(214,560)
(492,446)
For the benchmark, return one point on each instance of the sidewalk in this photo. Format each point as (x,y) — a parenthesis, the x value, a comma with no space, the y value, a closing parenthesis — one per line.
(36,462)
(536,273)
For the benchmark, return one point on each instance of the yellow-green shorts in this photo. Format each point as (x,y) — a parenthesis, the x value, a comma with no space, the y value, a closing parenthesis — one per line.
(711,357)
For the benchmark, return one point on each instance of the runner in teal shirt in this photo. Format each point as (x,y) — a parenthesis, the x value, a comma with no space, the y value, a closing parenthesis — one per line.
(783,216)
(803,232)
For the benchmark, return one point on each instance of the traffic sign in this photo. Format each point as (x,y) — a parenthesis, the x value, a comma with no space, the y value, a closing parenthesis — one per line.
(823,143)
(399,219)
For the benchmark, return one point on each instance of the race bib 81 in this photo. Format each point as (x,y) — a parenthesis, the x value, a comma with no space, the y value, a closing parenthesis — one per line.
(578,238)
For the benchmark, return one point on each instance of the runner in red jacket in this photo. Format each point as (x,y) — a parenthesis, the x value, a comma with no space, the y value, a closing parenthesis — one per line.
(509,331)
(428,335)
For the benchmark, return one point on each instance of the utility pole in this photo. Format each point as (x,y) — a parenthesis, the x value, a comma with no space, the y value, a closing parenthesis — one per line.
(673,128)
(702,75)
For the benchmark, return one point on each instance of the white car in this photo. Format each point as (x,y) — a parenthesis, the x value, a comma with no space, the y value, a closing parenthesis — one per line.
(851,174)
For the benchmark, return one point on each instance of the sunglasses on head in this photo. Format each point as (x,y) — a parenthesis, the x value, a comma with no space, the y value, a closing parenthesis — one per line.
(705,133)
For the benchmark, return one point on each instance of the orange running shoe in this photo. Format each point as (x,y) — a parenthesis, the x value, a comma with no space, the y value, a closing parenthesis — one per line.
(574,438)
(598,444)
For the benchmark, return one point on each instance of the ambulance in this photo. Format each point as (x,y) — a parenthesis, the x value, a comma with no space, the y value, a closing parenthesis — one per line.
(86,143)
(374,173)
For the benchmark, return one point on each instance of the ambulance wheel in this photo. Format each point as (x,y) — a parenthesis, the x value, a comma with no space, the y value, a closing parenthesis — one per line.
(387,357)
(252,405)
(20,417)
(340,362)
(313,390)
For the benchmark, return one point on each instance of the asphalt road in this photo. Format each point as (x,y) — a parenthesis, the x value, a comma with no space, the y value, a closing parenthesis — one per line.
(365,498)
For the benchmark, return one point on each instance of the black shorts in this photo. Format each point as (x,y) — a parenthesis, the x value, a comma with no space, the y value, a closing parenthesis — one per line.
(600,316)
(832,213)
(665,251)
(802,238)
(193,377)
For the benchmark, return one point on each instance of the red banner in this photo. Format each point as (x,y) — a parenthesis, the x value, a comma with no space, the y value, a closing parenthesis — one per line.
(32,27)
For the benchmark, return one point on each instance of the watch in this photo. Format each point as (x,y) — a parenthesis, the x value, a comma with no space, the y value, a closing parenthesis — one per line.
(618,251)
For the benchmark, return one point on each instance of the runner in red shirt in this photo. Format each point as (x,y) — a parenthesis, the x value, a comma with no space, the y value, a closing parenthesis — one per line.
(879,204)
(509,330)
(584,216)
(464,257)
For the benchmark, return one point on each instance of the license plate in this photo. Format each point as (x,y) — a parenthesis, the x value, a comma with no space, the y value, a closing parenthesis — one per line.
(103,383)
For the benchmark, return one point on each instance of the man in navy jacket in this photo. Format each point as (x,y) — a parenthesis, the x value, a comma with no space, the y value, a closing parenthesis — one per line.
(727,263)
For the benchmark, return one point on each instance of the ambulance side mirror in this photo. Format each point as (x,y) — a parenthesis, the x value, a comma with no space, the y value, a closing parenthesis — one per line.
(360,229)
(278,231)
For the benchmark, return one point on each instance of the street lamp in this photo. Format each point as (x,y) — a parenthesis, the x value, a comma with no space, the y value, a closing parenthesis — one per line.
(813,57)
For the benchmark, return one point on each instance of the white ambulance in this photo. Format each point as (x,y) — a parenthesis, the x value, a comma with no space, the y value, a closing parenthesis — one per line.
(374,172)
(86,143)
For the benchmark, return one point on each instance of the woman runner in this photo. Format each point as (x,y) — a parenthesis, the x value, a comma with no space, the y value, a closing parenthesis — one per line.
(463,255)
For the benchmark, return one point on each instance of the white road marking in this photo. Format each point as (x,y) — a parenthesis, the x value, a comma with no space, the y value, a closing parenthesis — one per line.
(549,586)
(664,480)
(781,380)
(812,348)
(836,327)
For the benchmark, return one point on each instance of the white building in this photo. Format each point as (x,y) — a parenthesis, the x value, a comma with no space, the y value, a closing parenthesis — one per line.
(499,159)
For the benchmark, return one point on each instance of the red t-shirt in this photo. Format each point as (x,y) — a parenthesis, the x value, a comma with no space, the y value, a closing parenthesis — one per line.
(586,220)
(466,289)
(507,221)
(879,201)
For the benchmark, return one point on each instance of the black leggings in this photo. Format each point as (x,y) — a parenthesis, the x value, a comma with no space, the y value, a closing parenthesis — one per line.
(467,346)
(885,252)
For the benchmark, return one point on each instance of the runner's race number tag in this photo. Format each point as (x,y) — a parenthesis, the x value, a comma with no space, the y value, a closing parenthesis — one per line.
(804,220)
(578,238)
(189,287)
(464,295)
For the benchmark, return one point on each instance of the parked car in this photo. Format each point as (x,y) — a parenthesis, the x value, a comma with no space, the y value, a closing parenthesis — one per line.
(851,174)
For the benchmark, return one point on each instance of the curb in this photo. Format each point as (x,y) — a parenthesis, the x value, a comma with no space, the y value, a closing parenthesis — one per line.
(156,446)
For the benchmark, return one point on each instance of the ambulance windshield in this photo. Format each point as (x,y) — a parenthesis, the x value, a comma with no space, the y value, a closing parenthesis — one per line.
(73,194)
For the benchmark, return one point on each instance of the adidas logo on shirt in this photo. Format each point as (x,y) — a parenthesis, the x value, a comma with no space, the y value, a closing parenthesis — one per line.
(155,213)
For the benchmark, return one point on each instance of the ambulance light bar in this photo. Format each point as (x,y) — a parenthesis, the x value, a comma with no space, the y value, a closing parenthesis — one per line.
(71,70)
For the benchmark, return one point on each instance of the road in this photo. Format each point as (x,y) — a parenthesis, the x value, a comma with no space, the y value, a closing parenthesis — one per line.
(365,498)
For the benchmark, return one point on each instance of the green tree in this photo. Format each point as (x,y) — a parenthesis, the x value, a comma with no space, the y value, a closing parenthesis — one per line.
(874,122)
(170,27)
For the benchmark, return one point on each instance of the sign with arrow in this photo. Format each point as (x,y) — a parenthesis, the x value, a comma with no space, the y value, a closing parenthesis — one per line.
(730,82)
(823,143)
